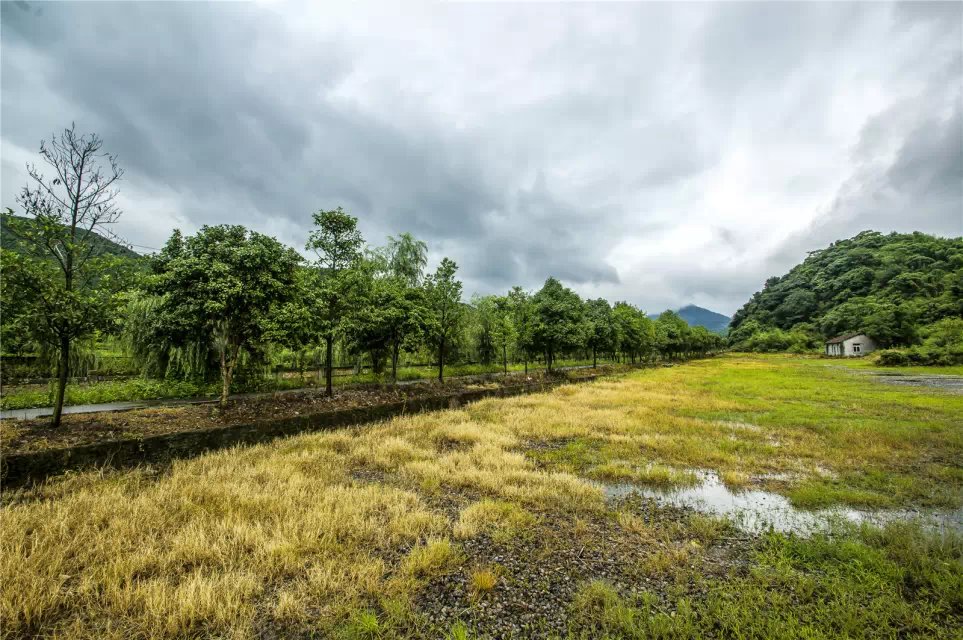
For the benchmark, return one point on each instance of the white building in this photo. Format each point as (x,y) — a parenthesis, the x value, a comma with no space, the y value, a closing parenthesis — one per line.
(850,344)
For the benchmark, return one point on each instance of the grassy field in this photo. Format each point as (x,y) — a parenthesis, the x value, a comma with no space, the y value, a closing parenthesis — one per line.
(490,520)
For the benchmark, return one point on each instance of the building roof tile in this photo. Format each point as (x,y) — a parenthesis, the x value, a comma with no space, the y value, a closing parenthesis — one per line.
(843,337)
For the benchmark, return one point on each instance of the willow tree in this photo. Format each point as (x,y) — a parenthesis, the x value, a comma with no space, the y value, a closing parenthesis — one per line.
(65,267)
(406,258)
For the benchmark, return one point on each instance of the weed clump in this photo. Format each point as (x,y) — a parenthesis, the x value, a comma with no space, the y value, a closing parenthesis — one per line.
(503,521)
(654,474)
(436,557)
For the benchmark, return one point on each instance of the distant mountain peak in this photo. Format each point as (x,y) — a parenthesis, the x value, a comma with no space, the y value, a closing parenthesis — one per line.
(698,316)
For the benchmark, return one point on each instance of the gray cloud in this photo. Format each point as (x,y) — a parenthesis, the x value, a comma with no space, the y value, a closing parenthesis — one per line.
(657,153)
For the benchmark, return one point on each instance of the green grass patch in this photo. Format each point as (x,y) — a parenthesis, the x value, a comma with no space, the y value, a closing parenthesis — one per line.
(110,391)
(899,581)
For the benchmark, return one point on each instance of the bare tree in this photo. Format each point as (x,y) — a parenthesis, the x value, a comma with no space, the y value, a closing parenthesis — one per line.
(66,213)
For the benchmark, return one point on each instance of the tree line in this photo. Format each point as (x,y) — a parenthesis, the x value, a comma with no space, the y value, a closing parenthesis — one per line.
(226,299)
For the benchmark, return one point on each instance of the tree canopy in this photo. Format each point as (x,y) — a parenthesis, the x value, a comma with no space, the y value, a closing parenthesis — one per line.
(221,286)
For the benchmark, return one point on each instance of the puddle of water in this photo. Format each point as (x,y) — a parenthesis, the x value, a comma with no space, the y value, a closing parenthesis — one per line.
(42,412)
(755,511)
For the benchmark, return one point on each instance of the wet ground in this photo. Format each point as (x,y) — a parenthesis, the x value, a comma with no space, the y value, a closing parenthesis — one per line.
(953,384)
(43,412)
(755,511)
(946,382)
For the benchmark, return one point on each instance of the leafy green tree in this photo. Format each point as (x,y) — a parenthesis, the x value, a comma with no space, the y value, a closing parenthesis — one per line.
(743,332)
(628,329)
(672,334)
(338,244)
(601,331)
(158,351)
(504,332)
(393,317)
(635,336)
(947,332)
(646,340)
(483,319)
(797,306)
(443,291)
(522,312)
(221,286)
(19,314)
(297,324)
(559,317)
(64,274)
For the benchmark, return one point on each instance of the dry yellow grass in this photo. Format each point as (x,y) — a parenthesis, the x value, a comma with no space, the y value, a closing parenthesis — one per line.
(285,534)
(499,519)
(735,480)
(279,529)
(482,580)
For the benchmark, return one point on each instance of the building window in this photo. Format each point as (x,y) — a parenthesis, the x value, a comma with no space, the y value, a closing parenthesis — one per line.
(855,347)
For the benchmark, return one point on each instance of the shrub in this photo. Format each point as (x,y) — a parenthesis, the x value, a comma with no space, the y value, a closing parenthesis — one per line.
(892,358)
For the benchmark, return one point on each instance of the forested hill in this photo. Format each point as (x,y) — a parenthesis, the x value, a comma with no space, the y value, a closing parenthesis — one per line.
(888,286)
(700,317)
(9,241)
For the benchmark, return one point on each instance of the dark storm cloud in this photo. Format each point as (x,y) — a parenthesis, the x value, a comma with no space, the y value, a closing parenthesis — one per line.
(184,94)
(657,153)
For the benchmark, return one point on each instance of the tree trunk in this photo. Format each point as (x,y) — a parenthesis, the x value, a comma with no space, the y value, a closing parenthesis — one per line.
(227,372)
(505,356)
(328,364)
(394,365)
(595,358)
(441,360)
(526,364)
(63,369)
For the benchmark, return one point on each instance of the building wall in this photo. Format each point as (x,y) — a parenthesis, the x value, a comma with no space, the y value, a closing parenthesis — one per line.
(853,347)
(858,346)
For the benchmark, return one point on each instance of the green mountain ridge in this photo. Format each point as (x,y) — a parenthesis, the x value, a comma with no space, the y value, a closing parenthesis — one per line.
(887,286)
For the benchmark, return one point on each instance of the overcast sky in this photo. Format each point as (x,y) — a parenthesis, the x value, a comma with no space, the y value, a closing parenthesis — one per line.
(659,153)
